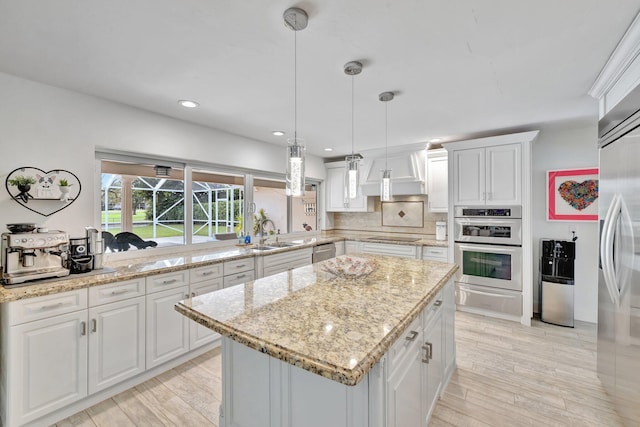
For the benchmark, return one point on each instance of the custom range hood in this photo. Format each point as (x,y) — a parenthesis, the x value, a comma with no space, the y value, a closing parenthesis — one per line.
(407,164)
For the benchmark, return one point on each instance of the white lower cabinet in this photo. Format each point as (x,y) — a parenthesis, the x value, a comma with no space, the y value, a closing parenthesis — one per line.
(351,246)
(400,390)
(44,366)
(340,249)
(116,342)
(277,263)
(200,335)
(404,251)
(167,330)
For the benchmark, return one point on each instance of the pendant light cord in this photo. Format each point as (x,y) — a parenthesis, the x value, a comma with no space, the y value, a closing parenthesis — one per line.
(295,84)
(386,134)
(352,116)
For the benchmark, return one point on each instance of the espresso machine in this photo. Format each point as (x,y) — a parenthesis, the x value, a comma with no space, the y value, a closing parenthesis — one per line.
(34,255)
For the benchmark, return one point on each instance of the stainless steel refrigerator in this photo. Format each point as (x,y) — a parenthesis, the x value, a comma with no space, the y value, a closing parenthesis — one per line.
(619,272)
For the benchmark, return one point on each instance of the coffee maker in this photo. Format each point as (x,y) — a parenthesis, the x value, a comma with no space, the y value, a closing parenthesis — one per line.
(34,255)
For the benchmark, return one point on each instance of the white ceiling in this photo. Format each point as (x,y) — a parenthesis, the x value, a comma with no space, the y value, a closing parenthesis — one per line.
(459,68)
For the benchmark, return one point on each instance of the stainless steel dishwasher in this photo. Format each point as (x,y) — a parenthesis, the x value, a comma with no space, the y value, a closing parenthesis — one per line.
(323,251)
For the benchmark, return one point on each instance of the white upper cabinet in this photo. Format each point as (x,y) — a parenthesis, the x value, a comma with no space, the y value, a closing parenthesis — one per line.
(335,191)
(488,176)
(437,181)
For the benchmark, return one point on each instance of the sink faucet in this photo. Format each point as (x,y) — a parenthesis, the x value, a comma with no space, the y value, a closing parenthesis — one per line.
(261,224)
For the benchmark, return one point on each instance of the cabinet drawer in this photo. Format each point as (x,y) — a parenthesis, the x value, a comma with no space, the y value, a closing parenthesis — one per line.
(434,253)
(161,282)
(413,334)
(205,273)
(235,279)
(46,306)
(238,265)
(432,309)
(118,291)
(406,251)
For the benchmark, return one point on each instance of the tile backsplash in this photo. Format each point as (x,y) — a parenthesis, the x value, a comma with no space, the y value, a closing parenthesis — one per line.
(372,221)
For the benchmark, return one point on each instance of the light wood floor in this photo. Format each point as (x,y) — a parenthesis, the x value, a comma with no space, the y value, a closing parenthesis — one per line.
(508,375)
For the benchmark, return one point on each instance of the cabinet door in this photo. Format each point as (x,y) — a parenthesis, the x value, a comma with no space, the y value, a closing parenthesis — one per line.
(469,177)
(433,370)
(335,189)
(47,366)
(448,327)
(116,342)
(200,335)
(351,246)
(335,193)
(404,391)
(167,330)
(437,183)
(504,175)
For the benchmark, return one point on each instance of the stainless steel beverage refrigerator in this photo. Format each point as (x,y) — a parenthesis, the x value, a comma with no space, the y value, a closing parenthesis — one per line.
(619,272)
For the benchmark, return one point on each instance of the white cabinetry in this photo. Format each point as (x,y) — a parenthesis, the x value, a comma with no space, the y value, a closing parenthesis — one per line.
(437,181)
(238,271)
(340,250)
(404,251)
(435,253)
(488,175)
(277,263)
(167,333)
(116,333)
(336,200)
(204,280)
(352,246)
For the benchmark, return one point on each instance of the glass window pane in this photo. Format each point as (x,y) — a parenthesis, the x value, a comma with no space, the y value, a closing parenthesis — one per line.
(270,199)
(304,211)
(218,201)
(140,210)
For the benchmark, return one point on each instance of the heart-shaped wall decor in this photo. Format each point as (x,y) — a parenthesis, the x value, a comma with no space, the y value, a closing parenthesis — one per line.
(43,192)
(579,194)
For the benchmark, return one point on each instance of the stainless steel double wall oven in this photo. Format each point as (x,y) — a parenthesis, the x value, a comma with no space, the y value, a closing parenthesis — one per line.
(488,249)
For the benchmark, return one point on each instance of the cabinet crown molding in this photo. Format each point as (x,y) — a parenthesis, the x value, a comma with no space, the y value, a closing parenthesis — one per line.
(512,138)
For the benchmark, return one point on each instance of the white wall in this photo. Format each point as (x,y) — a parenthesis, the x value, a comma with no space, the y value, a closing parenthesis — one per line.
(52,128)
(567,146)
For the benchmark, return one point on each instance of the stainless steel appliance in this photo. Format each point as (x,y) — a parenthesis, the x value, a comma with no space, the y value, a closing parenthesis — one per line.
(488,249)
(34,255)
(619,272)
(323,252)
(557,281)
(96,247)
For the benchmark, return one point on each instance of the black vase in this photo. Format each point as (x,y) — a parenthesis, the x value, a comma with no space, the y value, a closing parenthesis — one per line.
(24,192)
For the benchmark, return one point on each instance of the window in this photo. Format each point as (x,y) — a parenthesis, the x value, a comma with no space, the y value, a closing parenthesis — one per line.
(149,202)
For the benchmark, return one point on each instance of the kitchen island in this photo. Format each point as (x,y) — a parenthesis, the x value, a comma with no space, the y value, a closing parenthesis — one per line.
(310,347)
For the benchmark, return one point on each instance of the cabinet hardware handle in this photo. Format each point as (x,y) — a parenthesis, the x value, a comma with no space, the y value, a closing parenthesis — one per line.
(438,303)
(239,276)
(83,328)
(168,282)
(94,325)
(425,359)
(412,336)
(430,351)
(50,306)
(121,291)
(207,273)
(240,265)
(193,294)
(187,296)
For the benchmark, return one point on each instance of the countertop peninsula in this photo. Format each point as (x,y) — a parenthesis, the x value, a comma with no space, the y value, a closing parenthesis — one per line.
(333,326)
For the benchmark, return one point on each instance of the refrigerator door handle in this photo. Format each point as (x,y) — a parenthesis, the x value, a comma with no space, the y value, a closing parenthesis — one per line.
(606,249)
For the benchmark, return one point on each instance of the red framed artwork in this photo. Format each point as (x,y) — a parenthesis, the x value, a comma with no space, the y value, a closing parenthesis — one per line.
(572,195)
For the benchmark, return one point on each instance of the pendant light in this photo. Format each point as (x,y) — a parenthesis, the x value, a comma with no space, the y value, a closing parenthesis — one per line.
(352,178)
(385,181)
(295,19)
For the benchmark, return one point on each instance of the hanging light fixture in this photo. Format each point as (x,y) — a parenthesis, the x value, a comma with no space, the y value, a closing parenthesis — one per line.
(352,179)
(385,182)
(295,19)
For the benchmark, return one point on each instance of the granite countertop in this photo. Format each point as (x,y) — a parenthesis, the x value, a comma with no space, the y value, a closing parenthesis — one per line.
(335,327)
(138,267)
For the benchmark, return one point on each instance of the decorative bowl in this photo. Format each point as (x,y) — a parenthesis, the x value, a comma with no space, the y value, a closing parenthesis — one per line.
(349,267)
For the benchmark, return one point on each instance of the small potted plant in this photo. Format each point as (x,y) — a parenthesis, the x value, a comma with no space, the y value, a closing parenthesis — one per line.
(24,185)
(64,185)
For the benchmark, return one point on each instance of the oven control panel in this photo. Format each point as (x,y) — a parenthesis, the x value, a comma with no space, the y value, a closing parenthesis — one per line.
(488,212)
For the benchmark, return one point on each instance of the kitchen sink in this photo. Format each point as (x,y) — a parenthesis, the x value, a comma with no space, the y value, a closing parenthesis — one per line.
(273,246)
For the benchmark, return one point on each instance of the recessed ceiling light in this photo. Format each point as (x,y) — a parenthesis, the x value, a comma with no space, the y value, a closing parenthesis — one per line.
(278,132)
(187,103)
(435,140)
(328,149)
